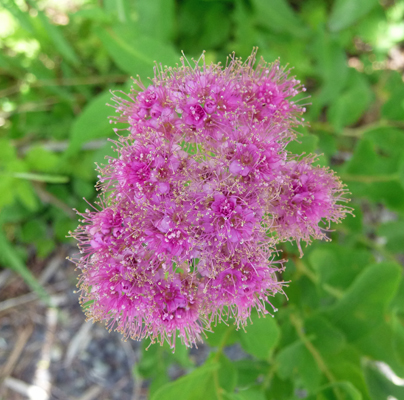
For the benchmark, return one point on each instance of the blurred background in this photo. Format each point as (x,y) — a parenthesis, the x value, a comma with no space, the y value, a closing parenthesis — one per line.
(340,333)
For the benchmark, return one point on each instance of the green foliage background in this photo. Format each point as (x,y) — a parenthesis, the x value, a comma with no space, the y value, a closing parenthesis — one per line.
(345,311)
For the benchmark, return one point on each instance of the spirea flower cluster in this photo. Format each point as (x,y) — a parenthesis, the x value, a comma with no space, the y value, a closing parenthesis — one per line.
(201,191)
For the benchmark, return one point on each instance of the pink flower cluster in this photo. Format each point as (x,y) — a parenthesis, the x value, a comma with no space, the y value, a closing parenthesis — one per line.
(201,191)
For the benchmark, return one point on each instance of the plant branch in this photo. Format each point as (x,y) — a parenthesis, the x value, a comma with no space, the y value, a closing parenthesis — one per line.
(303,269)
(370,178)
(298,325)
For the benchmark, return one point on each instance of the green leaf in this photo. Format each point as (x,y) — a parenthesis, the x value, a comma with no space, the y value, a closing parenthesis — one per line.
(364,159)
(346,12)
(326,337)
(226,374)
(93,14)
(394,107)
(92,123)
(303,144)
(398,336)
(11,259)
(7,151)
(136,57)
(354,101)
(366,300)
(392,232)
(33,230)
(260,337)
(380,344)
(332,67)
(157,19)
(26,194)
(44,247)
(41,160)
(62,225)
(248,371)
(222,335)
(247,394)
(380,388)
(401,170)
(346,387)
(119,9)
(296,359)
(188,387)
(338,266)
(347,366)
(389,140)
(278,15)
(389,193)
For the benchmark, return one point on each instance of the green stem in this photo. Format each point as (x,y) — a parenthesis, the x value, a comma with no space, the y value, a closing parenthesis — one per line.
(370,178)
(39,177)
(298,325)
(303,269)
(354,132)
(219,351)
